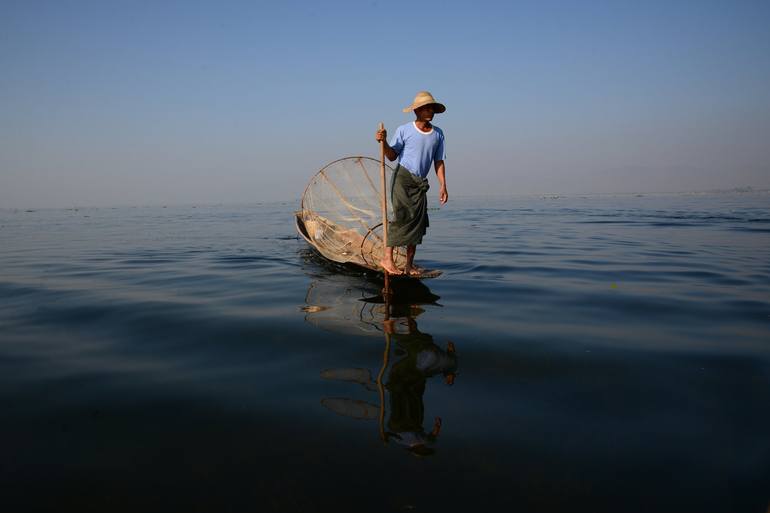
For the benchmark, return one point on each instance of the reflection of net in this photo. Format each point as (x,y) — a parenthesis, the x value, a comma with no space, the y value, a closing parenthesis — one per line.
(336,304)
(341,212)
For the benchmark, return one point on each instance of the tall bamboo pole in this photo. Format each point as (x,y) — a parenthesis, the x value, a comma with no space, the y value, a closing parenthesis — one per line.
(384,209)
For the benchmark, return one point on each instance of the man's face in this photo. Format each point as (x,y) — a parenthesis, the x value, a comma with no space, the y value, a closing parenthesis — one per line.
(424,113)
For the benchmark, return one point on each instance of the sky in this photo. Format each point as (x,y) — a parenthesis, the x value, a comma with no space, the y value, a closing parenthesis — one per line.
(142,103)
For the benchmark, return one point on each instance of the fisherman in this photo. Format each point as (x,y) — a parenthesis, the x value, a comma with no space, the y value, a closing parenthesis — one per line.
(417,146)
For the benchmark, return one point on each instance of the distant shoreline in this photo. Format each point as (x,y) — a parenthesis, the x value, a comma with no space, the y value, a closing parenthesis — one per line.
(543,195)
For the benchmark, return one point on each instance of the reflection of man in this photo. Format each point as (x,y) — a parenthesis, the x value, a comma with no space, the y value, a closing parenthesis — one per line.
(406,383)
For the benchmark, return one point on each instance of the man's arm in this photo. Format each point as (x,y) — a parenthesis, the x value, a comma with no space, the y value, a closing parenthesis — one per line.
(443,195)
(382,136)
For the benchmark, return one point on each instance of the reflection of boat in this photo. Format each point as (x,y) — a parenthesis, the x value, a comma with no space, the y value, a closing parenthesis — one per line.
(334,303)
(341,215)
(352,305)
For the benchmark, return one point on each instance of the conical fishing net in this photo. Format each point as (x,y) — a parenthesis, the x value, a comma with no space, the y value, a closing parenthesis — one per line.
(341,213)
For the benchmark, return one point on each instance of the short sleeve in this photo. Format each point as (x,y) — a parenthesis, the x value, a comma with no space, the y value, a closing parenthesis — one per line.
(440,154)
(397,142)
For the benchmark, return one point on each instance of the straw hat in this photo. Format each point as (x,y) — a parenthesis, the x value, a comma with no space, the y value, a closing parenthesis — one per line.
(425,98)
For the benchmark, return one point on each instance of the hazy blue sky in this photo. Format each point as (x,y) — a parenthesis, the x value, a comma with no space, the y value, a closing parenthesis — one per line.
(114,103)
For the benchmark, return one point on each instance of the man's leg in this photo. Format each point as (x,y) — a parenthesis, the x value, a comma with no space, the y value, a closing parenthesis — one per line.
(387,262)
(410,251)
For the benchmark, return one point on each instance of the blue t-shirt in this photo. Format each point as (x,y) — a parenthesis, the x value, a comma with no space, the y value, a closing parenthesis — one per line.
(416,149)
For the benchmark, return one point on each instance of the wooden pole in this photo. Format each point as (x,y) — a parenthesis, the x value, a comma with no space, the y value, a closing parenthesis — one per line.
(384,209)
(386,290)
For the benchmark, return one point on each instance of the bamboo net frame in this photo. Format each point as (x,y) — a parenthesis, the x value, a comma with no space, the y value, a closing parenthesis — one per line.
(340,213)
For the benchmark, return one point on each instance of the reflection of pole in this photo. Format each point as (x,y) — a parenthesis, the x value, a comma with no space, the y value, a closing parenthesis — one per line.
(384,209)
(385,357)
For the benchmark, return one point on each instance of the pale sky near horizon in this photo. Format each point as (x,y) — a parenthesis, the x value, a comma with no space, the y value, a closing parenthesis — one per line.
(134,103)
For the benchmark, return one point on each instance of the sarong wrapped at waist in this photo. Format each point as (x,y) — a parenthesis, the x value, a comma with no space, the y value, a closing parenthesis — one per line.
(408,195)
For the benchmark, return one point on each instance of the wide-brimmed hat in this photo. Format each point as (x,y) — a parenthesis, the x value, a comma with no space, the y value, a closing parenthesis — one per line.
(425,98)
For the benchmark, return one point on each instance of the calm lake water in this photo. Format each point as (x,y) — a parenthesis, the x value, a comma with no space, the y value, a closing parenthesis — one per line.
(607,353)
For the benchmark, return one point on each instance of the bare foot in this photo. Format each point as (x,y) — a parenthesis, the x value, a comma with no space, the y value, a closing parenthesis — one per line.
(389,267)
(413,271)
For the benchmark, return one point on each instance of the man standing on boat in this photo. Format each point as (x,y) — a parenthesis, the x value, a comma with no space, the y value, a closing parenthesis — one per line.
(417,146)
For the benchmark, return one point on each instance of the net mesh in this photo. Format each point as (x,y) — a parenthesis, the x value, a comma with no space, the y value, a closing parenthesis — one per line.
(341,213)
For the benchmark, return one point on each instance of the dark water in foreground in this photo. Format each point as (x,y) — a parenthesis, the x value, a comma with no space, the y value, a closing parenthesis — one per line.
(611,354)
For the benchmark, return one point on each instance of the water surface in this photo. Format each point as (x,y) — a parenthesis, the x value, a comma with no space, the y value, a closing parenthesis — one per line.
(606,353)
